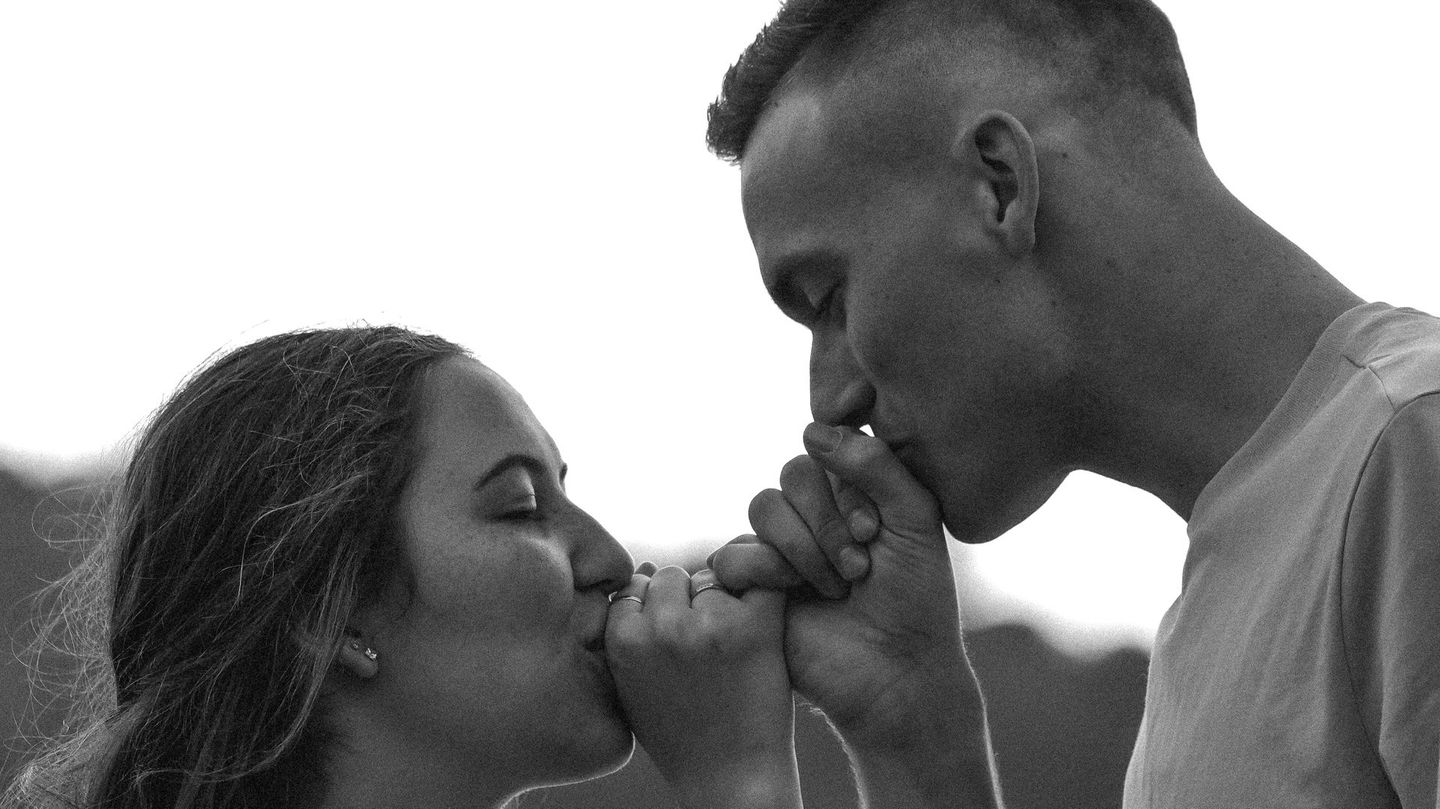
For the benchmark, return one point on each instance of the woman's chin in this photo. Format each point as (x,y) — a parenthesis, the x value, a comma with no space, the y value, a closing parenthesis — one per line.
(596,759)
(615,751)
(620,755)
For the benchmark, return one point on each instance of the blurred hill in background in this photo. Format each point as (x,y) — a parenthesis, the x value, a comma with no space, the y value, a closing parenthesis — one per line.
(1063,727)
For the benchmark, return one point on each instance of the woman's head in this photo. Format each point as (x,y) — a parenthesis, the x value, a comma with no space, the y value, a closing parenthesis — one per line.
(256,513)
(492,654)
(275,508)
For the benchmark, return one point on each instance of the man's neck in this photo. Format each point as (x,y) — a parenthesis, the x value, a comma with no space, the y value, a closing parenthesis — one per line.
(1199,345)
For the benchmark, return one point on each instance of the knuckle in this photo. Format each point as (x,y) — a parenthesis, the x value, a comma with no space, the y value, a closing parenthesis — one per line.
(731,565)
(720,562)
(670,633)
(797,470)
(848,497)
(763,505)
(713,635)
(709,636)
(831,530)
(798,547)
(670,576)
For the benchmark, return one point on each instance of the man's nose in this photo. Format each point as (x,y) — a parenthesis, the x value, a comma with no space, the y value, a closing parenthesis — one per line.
(839,392)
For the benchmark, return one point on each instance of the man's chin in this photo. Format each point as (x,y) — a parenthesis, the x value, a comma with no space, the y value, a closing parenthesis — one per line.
(968,531)
(959,523)
(977,520)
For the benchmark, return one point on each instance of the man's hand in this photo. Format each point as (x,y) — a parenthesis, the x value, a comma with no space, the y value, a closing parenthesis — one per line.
(879,648)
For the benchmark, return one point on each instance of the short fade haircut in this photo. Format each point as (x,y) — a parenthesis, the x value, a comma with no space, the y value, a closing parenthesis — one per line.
(1112,46)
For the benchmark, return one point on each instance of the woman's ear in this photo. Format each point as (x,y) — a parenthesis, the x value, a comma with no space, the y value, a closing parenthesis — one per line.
(998,149)
(356,656)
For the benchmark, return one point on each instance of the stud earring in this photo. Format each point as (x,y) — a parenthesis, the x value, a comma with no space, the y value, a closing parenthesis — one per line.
(369,653)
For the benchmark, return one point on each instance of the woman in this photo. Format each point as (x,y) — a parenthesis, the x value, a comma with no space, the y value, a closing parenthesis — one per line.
(343,571)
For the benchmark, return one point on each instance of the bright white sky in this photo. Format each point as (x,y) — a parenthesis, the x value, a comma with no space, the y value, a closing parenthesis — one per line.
(530,179)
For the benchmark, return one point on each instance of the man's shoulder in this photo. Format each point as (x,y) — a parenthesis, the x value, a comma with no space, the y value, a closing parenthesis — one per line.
(1401,348)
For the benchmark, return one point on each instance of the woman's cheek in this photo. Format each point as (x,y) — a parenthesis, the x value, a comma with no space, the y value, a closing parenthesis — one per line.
(506,584)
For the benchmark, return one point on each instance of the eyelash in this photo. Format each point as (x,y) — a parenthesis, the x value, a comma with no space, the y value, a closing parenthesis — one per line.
(529,513)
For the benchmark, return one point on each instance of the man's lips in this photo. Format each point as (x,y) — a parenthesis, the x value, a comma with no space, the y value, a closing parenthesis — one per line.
(896,444)
(907,451)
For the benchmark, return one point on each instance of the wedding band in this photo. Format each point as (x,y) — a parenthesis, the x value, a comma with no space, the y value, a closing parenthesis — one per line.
(710,585)
(636,599)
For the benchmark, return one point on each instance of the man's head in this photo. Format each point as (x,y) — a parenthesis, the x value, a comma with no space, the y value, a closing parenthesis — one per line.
(1094,50)
(918,177)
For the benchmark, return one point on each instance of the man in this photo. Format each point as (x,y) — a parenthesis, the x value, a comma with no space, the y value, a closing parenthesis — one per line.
(997,221)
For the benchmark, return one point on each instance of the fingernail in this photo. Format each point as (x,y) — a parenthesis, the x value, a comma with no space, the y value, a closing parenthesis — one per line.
(823,437)
(854,563)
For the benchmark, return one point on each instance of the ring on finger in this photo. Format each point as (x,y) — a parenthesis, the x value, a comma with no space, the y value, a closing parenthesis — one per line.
(709,585)
(636,599)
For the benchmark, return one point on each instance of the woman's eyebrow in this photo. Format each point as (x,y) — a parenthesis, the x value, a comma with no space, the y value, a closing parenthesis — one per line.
(528,462)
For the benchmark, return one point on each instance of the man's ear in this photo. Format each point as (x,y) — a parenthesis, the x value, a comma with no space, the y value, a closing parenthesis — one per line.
(999,150)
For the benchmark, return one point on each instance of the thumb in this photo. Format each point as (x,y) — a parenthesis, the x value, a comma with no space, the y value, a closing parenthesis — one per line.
(866,463)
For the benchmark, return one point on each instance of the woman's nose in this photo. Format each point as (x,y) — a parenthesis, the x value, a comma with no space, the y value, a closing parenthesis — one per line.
(598,559)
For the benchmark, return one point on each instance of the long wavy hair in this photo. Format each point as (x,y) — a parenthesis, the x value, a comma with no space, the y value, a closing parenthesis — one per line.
(256,513)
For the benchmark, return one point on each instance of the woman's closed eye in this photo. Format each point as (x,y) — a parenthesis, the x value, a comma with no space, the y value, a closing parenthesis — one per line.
(509,492)
(521,509)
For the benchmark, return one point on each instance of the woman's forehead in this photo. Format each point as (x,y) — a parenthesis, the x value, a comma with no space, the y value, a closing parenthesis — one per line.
(467,409)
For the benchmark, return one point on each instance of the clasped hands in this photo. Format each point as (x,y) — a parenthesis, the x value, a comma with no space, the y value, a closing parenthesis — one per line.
(843,593)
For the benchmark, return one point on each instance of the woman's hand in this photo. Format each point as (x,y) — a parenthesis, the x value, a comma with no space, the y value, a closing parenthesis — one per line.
(701,674)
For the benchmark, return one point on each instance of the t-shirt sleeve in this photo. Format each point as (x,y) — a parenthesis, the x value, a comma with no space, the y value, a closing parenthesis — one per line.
(1390,599)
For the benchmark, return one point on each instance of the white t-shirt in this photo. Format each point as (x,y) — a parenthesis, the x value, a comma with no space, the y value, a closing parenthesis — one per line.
(1300,666)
